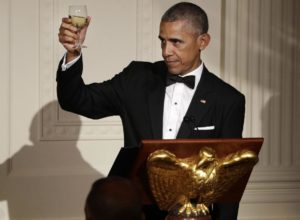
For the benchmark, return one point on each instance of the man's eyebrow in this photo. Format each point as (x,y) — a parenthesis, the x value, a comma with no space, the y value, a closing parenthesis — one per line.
(160,37)
(175,40)
(171,39)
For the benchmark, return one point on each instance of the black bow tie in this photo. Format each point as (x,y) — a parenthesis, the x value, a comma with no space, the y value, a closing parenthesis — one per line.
(189,81)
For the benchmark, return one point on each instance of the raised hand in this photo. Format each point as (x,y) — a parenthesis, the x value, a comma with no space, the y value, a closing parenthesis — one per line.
(68,36)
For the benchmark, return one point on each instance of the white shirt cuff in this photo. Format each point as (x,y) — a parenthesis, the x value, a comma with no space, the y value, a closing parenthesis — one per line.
(65,66)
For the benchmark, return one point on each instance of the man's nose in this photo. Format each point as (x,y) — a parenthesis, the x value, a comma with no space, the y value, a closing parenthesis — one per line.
(167,49)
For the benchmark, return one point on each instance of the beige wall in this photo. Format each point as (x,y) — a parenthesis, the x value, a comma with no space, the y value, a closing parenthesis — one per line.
(49,158)
(261,58)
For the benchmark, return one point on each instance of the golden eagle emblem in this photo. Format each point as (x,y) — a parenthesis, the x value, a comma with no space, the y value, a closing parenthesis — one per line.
(186,187)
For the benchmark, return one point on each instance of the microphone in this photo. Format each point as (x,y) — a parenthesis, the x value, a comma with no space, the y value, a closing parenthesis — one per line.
(189,119)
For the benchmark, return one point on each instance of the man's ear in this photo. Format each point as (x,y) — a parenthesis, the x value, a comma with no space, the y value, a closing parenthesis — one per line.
(203,41)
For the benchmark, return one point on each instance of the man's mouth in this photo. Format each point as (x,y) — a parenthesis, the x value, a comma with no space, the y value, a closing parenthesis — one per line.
(171,62)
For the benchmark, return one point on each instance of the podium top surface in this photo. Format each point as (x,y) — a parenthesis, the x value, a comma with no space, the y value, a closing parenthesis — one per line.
(188,147)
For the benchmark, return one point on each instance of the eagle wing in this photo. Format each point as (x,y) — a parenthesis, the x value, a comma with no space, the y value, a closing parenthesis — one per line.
(170,178)
(230,169)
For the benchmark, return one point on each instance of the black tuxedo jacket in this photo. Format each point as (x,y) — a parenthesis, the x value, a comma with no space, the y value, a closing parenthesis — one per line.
(137,96)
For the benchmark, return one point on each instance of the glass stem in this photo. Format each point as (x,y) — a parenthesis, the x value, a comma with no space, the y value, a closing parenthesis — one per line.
(78,45)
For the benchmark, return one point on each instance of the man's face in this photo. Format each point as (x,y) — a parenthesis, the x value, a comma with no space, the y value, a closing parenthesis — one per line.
(180,47)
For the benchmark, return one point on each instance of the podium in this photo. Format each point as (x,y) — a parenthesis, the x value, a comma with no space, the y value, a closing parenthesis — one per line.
(131,162)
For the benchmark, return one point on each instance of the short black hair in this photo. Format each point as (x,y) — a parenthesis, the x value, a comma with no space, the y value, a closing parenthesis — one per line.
(113,198)
(194,14)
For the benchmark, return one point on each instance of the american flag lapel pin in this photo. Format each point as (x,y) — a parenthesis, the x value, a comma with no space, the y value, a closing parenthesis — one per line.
(203,101)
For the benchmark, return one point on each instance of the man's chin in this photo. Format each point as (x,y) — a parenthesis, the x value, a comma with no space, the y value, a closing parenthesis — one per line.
(173,67)
(173,71)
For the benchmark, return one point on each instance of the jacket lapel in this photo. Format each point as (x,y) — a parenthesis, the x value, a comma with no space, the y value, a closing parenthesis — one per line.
(156,98)
(199,105)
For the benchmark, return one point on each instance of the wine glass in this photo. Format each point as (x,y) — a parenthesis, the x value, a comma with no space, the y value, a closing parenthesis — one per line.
(78,15)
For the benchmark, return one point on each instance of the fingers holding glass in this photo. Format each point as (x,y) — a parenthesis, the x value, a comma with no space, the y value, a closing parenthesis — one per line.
(67,35)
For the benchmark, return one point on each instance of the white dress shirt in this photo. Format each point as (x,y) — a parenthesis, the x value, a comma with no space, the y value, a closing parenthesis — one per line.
(65,66)
(177,100)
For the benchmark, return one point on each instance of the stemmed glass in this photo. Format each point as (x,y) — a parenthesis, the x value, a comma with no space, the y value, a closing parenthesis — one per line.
(78,15)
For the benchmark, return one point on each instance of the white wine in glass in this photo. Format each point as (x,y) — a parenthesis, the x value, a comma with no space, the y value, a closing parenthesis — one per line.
(78,15)
(78,21)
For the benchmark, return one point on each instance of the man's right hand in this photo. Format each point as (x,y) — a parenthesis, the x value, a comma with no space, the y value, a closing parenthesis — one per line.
(68,37)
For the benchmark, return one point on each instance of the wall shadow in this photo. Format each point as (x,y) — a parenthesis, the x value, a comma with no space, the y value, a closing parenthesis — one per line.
(37,182)
(277,54)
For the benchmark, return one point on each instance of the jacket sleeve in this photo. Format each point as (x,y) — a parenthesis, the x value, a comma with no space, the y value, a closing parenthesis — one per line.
(233,118)
(96,100)
(232,127)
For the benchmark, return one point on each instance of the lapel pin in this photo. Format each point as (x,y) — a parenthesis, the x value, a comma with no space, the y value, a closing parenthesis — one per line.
(203,101)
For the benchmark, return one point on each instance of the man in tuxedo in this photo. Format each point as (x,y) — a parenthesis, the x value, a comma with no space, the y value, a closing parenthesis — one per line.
(174,98)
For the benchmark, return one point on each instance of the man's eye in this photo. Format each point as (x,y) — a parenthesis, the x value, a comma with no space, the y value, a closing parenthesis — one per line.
(176,42)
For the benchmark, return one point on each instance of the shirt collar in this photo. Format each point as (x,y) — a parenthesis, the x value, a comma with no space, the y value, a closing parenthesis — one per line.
(197,73)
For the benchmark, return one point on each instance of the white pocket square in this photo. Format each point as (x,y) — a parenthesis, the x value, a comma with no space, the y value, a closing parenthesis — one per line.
(205,128)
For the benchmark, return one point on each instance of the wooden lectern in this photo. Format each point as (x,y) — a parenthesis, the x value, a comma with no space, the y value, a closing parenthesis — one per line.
(131,162)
